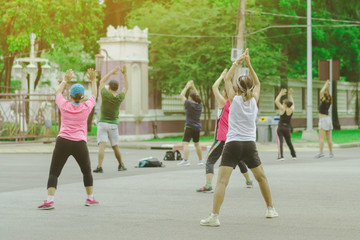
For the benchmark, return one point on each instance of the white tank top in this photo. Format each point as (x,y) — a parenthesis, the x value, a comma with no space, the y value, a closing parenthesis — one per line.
(242,120)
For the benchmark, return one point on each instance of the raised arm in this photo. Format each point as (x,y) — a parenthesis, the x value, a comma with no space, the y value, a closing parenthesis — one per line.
(256,91)
(215,88)
(126,84)
(227,80)
(107,76)
(290,97)
(324,88)
(68,76)
(277,100)
(91,74)
(183,92)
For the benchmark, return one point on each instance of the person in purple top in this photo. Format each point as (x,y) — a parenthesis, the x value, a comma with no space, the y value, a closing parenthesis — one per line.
(193,109)
(72,137)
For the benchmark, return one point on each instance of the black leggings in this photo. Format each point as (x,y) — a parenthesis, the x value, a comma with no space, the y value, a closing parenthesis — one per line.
(283,131)
(63,149)
(215,153)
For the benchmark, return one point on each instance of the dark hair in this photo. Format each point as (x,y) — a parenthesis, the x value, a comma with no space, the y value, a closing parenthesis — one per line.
(77,97)
(327,97)
(114,85)
(195,97)
(288,103)
(245,84)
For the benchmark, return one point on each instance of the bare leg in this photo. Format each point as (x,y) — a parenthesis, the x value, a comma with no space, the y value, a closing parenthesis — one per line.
(186,150)
(198,150)
(117,154)
(246,176)
(222,182)
(209,177)
(329,140)
(102,146)
(51,191)
(321,139)
(47,133)
(89,190)
(259,175)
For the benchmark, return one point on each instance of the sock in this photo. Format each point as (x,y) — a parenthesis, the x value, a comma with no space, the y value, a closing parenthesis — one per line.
(208,184)
(91,197)
(50,198)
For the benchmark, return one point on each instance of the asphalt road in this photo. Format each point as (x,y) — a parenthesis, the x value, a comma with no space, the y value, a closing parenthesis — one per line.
(315,198)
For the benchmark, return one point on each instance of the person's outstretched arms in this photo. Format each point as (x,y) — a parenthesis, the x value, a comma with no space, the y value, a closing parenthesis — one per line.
(277,100)
(68,76)
(290,97)
(126,84)
(256,91)
(91,74)
(227,80)
(183,92)
(215,88)
(324,88)
(107,76)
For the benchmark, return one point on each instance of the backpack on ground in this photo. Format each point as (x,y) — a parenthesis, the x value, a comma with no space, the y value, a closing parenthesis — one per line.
(172,155)
(150,162)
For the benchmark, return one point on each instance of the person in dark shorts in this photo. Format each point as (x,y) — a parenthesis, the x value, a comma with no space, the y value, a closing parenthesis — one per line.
(72,137)
(325,122)
(109,117)
(221,129)
(193,108)
(240,140)
(283,130)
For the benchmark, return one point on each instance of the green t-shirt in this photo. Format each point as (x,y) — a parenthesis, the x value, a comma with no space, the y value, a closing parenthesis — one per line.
(110,106)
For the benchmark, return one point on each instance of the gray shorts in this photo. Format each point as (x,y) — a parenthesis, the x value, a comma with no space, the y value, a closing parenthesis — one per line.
(107,131)
(325,123)
(47,123)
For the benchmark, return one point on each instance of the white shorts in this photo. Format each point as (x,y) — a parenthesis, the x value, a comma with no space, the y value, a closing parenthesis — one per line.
(325,123)
(107,131)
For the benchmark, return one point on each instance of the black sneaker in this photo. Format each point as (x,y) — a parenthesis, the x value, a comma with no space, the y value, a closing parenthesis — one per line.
(98,170)
(122,168)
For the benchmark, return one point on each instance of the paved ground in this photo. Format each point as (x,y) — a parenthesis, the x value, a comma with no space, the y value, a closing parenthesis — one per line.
(316,198)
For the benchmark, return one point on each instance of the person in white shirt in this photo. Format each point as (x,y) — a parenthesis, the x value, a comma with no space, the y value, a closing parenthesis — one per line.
(240,140)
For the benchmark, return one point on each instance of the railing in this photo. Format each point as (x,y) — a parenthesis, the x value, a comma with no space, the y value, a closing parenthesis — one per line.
(22,117)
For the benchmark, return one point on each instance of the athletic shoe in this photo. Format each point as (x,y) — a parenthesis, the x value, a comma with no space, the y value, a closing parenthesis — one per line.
(211,221)
(331,155)
(271,213)
(205,189)
(319,155)
(90,202)
(293,158)
(47,206)
(249,184)
(122,168)
(281,159)
(201,163)
(98,170)
(184,163)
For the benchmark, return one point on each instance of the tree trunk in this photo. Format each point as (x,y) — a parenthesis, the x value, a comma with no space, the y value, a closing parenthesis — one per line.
(283,68)
(206,101)
(357,110)
(335,117)
(8,67)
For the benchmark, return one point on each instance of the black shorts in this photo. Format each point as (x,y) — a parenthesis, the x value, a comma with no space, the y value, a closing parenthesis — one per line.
(237,151)
(191,133)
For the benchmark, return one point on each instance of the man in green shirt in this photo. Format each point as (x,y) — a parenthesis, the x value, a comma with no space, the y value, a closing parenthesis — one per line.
(109,117)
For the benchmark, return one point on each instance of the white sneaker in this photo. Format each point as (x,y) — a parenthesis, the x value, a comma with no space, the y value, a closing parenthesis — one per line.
(293,158)
(271,213)
(183,163)
(280,159)
(211,221)
(201,163)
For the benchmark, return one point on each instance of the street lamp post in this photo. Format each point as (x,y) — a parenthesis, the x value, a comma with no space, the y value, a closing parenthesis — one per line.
(21,72)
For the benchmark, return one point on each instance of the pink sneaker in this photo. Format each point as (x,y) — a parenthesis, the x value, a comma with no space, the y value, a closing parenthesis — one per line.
(47,206)
(90,203)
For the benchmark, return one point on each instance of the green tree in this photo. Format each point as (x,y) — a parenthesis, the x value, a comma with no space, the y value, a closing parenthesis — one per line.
(54,22)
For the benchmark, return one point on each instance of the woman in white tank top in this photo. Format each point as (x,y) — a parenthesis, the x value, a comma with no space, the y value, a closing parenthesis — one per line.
(240,141)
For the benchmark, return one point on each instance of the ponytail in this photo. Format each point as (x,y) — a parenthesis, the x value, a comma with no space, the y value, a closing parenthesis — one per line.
(78,97)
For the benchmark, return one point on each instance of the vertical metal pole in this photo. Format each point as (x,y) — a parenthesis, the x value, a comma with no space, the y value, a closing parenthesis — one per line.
(309,118)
